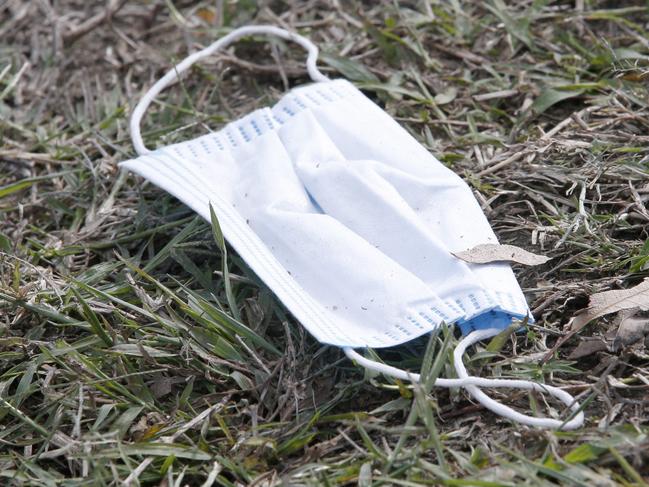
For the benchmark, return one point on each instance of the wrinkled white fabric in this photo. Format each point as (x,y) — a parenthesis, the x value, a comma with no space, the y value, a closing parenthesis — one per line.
(344,216)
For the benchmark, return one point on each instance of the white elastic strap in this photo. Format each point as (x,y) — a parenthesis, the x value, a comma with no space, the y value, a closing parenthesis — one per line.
(173,74)
(473,385)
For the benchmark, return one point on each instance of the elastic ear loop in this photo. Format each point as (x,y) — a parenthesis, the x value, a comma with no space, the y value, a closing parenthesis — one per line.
(473,385)
(173,75)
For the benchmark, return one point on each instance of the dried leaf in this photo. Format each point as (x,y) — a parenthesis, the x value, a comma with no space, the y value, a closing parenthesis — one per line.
(633,326)
(487,253)
(207,15)
(447,96)
(612,301)
(605,303)
(588,347)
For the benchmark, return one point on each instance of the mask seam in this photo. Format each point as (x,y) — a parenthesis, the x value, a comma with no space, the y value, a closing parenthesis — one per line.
(287,107)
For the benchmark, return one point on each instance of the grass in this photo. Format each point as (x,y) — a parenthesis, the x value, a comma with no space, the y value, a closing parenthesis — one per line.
(134,349)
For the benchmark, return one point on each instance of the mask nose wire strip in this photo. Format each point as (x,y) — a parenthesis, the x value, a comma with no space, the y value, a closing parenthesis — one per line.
(173,74)
(473,385)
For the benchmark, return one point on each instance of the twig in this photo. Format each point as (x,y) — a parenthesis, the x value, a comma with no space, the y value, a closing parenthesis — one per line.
(564,123)
(510,160)
(111,9)
(291,71)
(494,95)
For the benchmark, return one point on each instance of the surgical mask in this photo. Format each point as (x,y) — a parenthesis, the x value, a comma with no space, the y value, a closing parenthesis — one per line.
(348,220)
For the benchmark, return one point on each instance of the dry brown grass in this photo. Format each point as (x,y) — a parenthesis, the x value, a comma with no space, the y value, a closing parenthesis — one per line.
(119,357)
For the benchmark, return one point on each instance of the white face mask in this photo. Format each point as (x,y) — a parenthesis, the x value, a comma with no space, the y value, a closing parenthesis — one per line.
(347,219)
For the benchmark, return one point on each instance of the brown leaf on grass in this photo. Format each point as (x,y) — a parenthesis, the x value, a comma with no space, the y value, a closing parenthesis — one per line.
(487,253)
(588,347)
(605,303)
(611,301)
(633,326)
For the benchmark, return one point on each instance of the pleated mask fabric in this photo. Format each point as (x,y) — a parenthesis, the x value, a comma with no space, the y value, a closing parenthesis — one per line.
(346,218)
